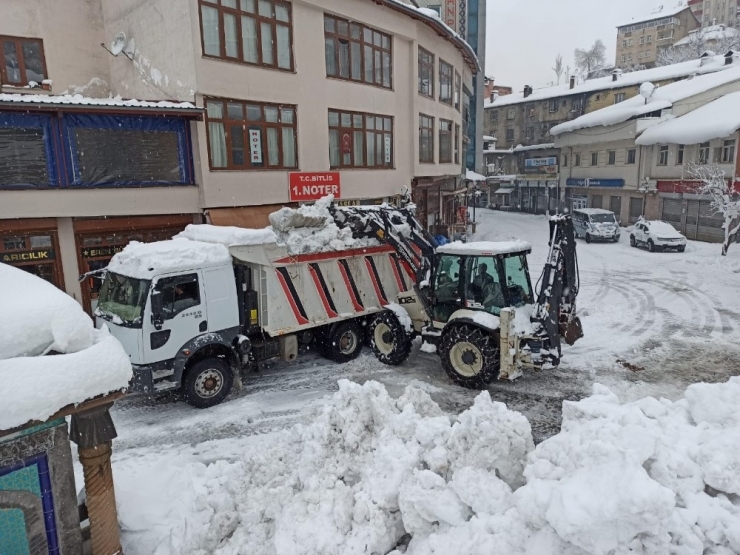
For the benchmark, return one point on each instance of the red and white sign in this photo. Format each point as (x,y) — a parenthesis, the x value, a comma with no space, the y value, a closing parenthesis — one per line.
(308,186)
(450,15)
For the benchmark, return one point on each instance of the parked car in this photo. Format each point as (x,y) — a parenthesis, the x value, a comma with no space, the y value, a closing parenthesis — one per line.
(595,224)
(657,236)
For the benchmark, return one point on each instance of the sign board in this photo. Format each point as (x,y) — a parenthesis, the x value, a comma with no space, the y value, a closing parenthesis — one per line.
(308,186)
(388,150)
(255,146)
(450,15)
(29,256)
(540,162)
(94,252)
(571,182)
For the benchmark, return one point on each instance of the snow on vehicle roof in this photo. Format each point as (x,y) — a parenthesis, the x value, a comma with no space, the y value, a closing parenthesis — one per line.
(663,97)
(484,248)
(227,236)
(715,120)
(673,71)
(79,100)
(593,211)
(146,260)
(662,229)
(38,319)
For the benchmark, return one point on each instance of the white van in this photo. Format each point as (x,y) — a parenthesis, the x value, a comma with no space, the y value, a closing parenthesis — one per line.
(596,224)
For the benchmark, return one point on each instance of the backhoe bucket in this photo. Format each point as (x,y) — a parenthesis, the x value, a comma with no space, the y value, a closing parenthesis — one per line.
(571,331)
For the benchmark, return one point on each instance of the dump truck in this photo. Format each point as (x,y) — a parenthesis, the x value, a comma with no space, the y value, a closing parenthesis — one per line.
(194,315)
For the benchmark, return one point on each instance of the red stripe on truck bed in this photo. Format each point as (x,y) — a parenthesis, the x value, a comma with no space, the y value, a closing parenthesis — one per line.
(316,257)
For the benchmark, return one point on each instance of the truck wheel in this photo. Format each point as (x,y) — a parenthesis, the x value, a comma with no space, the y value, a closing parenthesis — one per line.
(588,237)
(389,340)
(345,343)
(470,356)
(207,383)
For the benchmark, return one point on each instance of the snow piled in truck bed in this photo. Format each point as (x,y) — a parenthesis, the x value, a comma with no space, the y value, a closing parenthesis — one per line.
(227,235)
(39,319)
(647,477)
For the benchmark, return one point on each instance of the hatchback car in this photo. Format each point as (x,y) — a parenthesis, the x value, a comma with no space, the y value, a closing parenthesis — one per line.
(657,236)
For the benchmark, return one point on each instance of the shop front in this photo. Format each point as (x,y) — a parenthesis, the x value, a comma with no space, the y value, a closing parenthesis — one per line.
(33,246)
(689,212)
(98,239)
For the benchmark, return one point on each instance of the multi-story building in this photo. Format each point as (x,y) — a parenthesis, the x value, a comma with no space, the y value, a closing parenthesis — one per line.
(492,91)
(715,12)
(640,40)
(366,96)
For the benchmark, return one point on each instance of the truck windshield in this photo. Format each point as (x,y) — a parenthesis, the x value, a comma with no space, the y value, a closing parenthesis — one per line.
(122,299)
(603,218)
(517,280)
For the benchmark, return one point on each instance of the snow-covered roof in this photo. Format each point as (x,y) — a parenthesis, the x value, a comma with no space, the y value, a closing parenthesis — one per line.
(543,146)
(709,34)
(484,248)
(488,138)
(495,178)
(146,260)
(473,176)
(38,319)
(662,98)
(656,12)
(504,191)
(715,120)
(663,73)
(228,236)
(79,100)
(593,211)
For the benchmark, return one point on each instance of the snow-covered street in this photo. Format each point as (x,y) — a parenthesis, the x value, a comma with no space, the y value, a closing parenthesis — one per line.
(653,323)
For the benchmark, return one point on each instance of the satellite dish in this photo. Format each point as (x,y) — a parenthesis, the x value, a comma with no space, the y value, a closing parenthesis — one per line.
(118,44)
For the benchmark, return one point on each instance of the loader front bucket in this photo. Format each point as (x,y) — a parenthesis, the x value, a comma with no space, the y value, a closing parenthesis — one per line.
(571,330)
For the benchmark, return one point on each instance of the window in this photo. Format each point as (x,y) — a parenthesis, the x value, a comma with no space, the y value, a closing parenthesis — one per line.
(24,61)
(629,42)
(631,156)
(565,160)
(577,104)
(530,111)
(649,39)
(529,133)
(629,57)
(728,151)
(259,32)
(494,116)
(624,44)
(553,106)
(426,139)
(619,97)
(679,155)
(426,73)
(663,156)
(509,135)
(642,40)
(179,294)
(445,82)
(436,7)
(359,140)
(511,113)
(458,92)
(251,135)
(704,153)
(445,141)
(624,58)
(594,158)
(483,288)
(612,157)
(576,159)
(357,53)
(456,144)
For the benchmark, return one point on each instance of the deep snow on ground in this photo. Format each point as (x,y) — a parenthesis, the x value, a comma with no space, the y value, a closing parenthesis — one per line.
(672,319)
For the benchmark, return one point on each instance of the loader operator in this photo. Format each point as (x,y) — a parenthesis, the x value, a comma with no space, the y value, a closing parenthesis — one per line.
(486,289)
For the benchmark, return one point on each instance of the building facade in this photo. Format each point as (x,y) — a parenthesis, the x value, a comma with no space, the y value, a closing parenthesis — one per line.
(715,12)
(365,96)
(639,41)
(492,91)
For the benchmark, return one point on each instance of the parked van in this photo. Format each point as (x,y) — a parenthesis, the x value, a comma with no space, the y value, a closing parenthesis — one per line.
(595,224)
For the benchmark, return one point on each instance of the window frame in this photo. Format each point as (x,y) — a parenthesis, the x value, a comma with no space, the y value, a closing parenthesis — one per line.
(21,60)
(171,283)
(565,160)
(456,144)
(337,37)
(553,105)
(619,97)
(448,156)
(631,158)
(511,113)
(422,159)
(680,153)
(728,151)
(425,65)
(458,92)
(262,123)
(704,149)
(364,130)
(507,134)
(663,155)
(447,68)
(611,158)
(577,160)
(238,13)
(595,155)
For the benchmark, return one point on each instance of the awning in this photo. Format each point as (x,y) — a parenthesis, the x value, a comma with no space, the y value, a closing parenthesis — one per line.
(504,191)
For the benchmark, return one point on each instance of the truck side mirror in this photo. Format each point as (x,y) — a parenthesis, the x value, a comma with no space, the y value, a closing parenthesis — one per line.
(157,310)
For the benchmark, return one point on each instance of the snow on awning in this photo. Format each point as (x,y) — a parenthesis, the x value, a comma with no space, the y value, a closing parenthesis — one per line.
(472,176)
(504,191)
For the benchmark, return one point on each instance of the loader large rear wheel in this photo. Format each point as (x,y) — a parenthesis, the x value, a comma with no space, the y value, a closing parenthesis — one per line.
(470,356)
(388,339)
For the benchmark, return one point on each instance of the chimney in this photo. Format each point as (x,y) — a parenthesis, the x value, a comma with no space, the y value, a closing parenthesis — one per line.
(527,91)
(616,73)
(728,58)
(572,81)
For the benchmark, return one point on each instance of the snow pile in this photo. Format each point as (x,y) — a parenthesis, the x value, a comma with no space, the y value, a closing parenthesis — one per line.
(39,319)
(402,314)
(78,99)
(227,236)
(485,248)
(145,260)
(311,228)
(368,470)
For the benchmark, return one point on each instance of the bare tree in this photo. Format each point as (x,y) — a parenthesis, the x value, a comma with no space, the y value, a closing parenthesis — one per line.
(724,198)
(592,58)
(559,69)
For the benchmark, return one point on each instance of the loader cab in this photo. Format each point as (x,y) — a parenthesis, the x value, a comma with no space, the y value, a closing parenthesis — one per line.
(480,276)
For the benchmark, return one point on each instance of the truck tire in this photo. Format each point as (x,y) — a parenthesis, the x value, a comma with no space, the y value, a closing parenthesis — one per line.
(588,237)
(207,382)
(389,340)
(345,342)
(470,356)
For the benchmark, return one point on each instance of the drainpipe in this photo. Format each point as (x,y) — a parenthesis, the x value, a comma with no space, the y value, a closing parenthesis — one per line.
(639,177)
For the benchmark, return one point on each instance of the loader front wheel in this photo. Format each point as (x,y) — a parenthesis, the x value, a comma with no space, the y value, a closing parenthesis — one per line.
(470,356)
(389,340)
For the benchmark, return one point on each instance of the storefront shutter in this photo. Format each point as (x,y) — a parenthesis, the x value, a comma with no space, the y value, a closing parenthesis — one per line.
(635,209)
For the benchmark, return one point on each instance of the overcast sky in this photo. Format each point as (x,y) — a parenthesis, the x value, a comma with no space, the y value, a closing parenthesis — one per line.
(524,36)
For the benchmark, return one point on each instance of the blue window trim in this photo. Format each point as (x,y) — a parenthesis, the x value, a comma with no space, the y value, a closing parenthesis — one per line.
(34,121)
